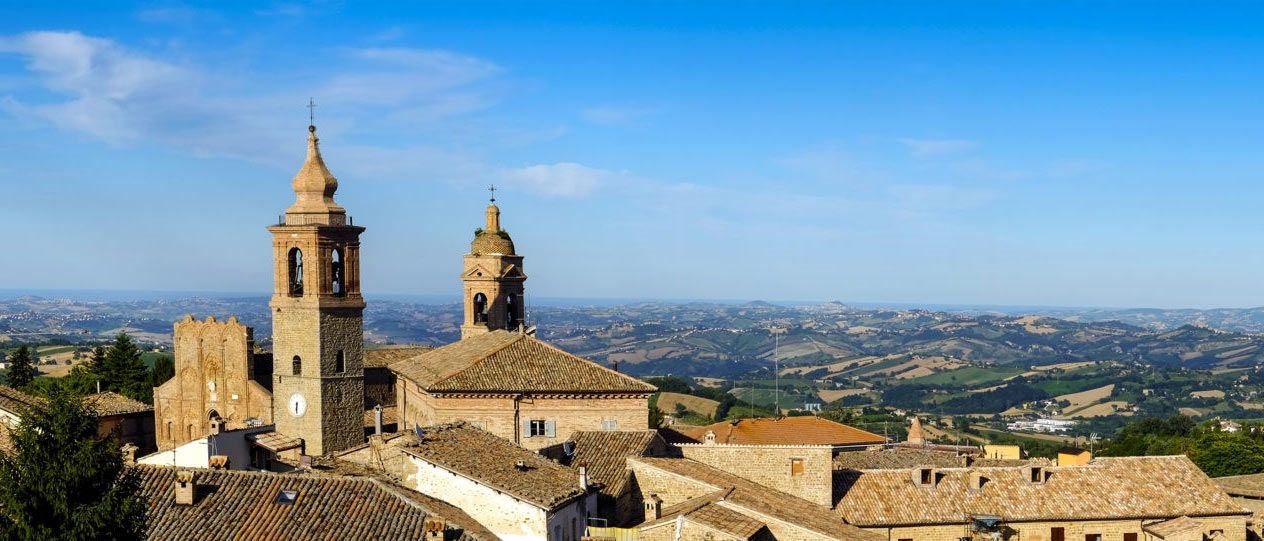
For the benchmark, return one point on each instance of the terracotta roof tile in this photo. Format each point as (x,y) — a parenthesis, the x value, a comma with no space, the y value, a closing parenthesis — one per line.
(1132,487)
(381,357)
(242,505)
(15,401)
(605,454)
(806,430)
(502,361)
(1251,486)
(760,499)
(492,461)
(1168,528)
(111,403)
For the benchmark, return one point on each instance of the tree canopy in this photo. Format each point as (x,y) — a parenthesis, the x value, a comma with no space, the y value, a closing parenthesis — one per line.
(21,368)
(63,481)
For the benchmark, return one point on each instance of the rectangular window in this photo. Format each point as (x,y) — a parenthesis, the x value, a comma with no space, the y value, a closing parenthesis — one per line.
(796,466)
(610,424)
(536,429)
(1130,536)
(1092,537)
(1057,534)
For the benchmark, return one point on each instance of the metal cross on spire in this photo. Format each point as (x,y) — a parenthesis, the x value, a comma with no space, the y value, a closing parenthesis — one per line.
(311,111)
(492,189)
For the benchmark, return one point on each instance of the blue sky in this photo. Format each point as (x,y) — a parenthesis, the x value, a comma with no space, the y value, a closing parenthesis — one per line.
(1091,154)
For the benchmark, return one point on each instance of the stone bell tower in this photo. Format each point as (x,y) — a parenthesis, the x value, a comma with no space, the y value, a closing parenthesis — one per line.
(493,279)
(317,316)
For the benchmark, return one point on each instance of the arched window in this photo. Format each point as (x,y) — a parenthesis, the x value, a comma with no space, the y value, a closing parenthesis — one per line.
(211,415)
(511,309)
(480,308)
(297,365)
(296,272)
(336,273)
(340,362)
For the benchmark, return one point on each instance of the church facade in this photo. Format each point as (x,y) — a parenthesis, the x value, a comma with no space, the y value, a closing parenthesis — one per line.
(311,389)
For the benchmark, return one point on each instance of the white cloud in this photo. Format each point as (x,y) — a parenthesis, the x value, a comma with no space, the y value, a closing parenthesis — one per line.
(927,148)
(616,116)
(123,96)
(564,179)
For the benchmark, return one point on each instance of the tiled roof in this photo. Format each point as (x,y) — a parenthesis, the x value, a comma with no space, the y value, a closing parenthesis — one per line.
(274,441)
(1251,486)
(492,462)
(1168,528)
(111,403)
(605,454)
(503,361)
(806,430)
(962,449)
(242,505)
(381,357)
(762,500)
(707,510)
(903,457)
(13,400)
(1132,487)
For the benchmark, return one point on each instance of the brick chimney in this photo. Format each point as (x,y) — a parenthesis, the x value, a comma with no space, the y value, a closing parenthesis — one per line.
(129,454)
(219,462)
(653,508)
(184,487)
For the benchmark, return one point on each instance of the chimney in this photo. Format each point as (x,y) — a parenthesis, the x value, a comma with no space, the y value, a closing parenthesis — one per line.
(976,481)
(653,508)
(616,366)
(583,477)
(377,419)
(217,425)
(521,465)
(219,462)
(129,454)
(184,487)
(434,527)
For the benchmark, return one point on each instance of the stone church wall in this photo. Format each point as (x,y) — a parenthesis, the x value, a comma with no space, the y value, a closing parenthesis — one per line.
(214,368)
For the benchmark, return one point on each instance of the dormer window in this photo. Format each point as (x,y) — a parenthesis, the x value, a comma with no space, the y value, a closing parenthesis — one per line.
(924,476)
(1036,475)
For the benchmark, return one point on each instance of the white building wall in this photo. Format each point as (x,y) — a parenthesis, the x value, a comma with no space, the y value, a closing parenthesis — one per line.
(569,523)
(506,516)
(194,454)
(197,453)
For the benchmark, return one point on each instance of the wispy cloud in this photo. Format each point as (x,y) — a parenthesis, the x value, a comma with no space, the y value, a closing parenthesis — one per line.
(175,14)
(617,116)
(123,96)
(563,179)
(926,148)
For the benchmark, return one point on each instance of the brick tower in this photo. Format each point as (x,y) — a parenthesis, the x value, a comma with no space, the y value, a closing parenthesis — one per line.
(493,279)
(317,316)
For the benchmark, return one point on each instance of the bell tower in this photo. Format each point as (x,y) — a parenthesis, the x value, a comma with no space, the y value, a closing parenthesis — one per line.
(317,315)
(493,279)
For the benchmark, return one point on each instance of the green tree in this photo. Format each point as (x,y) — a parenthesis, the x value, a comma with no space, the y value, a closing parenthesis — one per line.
(1224,453)
(21,368)
(63,481)
(163,370)
(96,364)
(123,371)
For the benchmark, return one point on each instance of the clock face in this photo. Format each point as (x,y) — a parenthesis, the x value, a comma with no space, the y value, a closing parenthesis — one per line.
(298,405)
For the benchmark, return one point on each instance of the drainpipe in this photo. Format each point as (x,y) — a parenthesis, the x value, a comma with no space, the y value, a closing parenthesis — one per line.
(517,421)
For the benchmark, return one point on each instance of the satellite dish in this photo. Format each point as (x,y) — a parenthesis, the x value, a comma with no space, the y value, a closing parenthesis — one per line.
(568,448)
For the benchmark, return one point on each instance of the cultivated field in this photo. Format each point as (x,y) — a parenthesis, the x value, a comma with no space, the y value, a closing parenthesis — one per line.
(702,406)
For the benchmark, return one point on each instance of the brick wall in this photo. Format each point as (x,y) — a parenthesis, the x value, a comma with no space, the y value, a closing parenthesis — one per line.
(1111,530)
(771,466)
(497,414)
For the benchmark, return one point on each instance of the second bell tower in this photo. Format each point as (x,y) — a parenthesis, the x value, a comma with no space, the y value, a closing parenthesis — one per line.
(317,316)
(493,279)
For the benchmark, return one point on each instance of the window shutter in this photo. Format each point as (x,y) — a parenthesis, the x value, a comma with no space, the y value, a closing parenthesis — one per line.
(550,428)
(526,428)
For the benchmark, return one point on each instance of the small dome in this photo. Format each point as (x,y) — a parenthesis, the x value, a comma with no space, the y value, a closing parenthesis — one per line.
(486,242)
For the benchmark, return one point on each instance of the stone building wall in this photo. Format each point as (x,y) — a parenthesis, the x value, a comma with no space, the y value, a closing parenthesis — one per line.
(500,415)
(1233,528)
(772,466)
(214,369)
